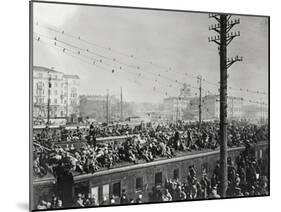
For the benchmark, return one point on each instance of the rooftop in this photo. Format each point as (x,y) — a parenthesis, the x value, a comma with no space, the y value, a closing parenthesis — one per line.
(69,76)
(124,166)
(44,69)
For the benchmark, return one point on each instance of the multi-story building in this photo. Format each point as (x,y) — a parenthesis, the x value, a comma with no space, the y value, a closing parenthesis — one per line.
(210,107)
(62,91)
(71,89)
(176,107)
(94,106)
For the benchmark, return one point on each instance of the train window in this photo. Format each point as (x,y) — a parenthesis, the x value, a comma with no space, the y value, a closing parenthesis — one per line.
(176,173)
(117,189)
(105,191)
(139,183)
(158,178)
(95,193)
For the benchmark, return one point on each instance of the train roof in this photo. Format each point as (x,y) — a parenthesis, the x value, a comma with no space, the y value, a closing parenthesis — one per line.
(129,166)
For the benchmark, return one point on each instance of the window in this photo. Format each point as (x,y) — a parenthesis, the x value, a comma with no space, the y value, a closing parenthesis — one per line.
(105,191)
(56,101)
(139,184)
(117,189)
(158,178)
(176,173)
(260,153)
(95,193)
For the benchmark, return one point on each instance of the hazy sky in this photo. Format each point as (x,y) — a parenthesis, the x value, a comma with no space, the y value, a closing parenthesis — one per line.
(178,40)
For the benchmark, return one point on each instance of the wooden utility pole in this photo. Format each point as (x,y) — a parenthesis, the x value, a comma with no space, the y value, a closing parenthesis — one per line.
(121,105)
(200,100)
(223,39)
(49,98)
(107,107)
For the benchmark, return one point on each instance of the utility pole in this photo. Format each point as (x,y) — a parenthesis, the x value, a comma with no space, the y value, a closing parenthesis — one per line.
(49,99)
(223,40)
(121,105)
(200,100)
(107,107)
(66,102)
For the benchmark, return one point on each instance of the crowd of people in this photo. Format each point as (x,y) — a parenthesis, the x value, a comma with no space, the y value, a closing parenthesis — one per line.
(247,176)
(147,144)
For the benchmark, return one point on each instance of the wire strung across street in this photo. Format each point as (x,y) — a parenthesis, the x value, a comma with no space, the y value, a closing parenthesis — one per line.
(95,61)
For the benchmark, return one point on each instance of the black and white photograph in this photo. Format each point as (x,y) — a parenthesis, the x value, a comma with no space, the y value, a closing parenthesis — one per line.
(136,105)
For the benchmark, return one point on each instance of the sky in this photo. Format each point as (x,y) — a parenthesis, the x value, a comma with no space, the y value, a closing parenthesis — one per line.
(176,43)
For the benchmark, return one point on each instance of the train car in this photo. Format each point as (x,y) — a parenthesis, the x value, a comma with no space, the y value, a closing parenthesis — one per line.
(141,178)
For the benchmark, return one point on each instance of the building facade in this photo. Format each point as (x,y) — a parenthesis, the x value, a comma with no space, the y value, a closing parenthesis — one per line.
(211,107)
(61,90)
(175,108)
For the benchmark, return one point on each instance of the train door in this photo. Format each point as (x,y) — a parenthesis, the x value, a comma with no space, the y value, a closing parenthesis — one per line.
(116,191)
(158,179)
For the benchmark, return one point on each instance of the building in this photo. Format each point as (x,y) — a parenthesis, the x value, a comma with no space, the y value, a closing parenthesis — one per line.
(72,83)
(175,108)
(62,91)
(95,106)
(211,107)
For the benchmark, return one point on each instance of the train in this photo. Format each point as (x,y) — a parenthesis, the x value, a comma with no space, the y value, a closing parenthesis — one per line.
(140,178)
